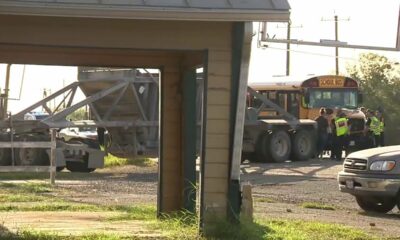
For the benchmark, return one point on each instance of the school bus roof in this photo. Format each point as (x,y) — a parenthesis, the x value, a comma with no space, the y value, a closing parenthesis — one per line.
(293,83)
(281,83)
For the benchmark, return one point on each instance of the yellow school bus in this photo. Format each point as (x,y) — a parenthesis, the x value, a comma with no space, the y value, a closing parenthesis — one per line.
(303,98)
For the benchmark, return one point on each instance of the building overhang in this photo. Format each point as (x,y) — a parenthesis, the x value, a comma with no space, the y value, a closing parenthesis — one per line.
(125,11)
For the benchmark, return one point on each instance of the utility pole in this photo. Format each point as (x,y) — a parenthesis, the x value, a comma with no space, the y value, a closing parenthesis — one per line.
(336,20)
(288,50)
(336,48)
(289,27)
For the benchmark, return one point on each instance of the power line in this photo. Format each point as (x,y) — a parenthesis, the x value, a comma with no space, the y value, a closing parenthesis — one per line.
(313,53)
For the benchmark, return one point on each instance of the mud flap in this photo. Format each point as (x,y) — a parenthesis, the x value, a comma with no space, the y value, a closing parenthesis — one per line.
(96,159)
(60,159)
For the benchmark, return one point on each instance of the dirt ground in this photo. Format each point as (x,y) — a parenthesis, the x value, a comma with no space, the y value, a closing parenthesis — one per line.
(278,191)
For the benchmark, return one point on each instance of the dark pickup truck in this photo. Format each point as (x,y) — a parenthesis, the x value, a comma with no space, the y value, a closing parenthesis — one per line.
(373,177)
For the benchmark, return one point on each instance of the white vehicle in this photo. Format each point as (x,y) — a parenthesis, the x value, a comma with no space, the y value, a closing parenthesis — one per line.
(86,132)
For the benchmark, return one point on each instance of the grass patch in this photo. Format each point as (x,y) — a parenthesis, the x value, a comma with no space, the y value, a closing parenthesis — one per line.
(22,198)
(180,225)
(299,230)
(29,187)
(135,213)
(113,161)
(40,235)
(315,205)
(128,212)
(284,229)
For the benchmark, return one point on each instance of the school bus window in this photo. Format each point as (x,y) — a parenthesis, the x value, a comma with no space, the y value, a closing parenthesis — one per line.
(343,98)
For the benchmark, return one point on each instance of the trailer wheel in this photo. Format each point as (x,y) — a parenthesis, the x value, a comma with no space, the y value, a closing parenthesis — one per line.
(304,144)
(260,153)
(276,146)
(32,157)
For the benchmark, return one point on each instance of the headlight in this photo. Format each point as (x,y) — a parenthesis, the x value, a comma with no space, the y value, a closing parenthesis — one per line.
(382,165)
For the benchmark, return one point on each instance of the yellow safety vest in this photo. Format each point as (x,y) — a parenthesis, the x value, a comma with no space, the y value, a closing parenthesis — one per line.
(381,127)
(341,126)
(375,126)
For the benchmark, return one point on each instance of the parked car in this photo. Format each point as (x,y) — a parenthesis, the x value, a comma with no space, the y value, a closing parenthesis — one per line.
(373,177)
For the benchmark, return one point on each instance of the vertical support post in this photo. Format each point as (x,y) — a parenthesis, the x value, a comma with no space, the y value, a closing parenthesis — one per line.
(12,140)
(189,140)
(241,48)
(7,88)
(53,157)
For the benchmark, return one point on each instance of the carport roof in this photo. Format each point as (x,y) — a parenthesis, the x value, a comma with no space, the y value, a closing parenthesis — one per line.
(203,10)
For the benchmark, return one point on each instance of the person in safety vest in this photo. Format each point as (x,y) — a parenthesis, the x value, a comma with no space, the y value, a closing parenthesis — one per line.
(341,130)
(373,128)
(379,115)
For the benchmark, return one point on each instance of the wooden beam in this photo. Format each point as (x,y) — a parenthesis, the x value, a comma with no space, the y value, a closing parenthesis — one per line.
(25,145)
(5,169)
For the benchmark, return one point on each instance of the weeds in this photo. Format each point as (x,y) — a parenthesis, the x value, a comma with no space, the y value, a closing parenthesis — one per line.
(314,205)
(113,161)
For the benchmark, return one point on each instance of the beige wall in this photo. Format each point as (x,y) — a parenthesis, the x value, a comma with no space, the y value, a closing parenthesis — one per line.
(47,40)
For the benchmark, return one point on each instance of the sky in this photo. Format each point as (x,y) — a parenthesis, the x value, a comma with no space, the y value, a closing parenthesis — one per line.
(363,22)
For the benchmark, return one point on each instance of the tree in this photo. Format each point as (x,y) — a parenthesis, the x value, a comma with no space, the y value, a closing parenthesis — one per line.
(380,84)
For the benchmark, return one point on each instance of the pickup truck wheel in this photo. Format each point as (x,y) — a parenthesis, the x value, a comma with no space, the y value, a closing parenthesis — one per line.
(380,205)
(303,145)
(274,147)
(398,201)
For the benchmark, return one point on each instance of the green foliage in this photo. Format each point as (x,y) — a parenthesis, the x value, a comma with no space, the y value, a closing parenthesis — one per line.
(380,84)
(315,205)
(113,161)
(80,114)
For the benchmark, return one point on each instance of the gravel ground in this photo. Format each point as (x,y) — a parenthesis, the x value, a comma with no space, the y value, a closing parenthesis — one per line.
(278,192)
(112,186)
(280,189)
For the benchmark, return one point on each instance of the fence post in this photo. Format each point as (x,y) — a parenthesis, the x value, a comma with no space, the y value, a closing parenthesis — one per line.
(53,157)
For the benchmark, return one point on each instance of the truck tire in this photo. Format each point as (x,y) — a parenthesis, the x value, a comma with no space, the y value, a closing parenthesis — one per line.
(5,153)
(82,165)
(32,156)
(276,147)
(79,167)
(380,205)
(303,145)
